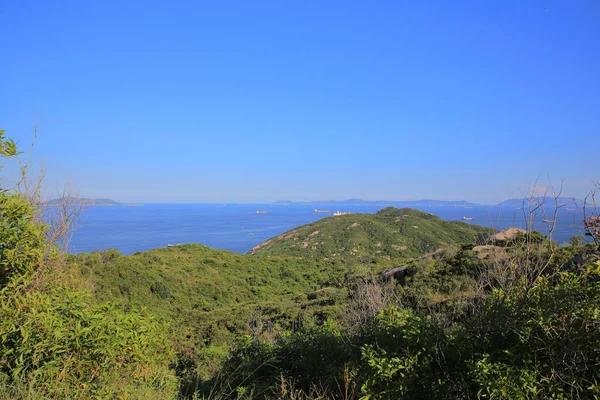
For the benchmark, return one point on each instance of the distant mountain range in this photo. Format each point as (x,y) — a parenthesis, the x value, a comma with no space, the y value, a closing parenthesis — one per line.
(515,202)
(87,202)
(568,202)
(385,203)
(548,200)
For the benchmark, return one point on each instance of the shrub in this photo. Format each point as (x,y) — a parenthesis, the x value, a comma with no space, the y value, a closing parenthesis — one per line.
(22,241)
(63,344)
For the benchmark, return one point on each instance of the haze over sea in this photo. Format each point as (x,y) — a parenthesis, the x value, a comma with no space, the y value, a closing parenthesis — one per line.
(236,228)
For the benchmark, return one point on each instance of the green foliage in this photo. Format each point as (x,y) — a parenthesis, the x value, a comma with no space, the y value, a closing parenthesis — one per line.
(437,282)
(315,353)
(544,342)
(536,342)
(397,361)
(8,147)
(63,344)
(22,241)
(549,335)
(211,297)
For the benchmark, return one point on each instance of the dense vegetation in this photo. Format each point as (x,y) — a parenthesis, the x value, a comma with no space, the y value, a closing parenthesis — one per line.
(395,305)
(209,297)
(428,338)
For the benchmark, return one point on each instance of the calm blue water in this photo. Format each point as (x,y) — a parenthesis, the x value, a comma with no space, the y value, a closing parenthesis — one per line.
(235,227)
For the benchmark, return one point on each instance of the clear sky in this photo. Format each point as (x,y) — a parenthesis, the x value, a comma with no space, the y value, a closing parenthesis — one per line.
(247,101)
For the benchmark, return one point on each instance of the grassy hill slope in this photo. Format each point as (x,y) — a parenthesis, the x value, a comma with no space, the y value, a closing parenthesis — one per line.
(390,233)
(210,296)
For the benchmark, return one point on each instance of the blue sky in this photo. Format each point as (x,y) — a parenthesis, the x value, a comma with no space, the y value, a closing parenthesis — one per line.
(256,101)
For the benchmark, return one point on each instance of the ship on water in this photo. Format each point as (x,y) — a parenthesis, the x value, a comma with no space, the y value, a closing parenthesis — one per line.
(321,211)
(261,212)
(468,218)
(338,213)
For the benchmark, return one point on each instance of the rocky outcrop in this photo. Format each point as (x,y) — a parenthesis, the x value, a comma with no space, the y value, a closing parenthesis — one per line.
(398,273)
(482,252)
(260,246)
(507,234)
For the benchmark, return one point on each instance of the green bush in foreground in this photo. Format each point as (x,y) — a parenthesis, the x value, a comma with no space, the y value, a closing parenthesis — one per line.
(62,344)
(55,341)
(22,241)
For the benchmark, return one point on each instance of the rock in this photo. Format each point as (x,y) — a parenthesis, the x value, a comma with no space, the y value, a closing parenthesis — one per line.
(483,251)
(580,260)
(507,234)
(397,273)
(255,248)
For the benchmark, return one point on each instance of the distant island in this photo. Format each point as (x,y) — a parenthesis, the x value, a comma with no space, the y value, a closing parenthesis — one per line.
(570,202)
(87,202)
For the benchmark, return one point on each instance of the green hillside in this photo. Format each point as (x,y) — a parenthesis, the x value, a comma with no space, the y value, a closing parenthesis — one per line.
(388,234)
(208,296)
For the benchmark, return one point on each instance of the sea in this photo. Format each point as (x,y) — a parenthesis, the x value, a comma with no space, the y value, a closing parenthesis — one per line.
(236,227)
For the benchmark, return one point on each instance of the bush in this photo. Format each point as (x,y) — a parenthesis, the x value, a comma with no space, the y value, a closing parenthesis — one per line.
(544,342)
(62,344)
(22,241)
(311,356)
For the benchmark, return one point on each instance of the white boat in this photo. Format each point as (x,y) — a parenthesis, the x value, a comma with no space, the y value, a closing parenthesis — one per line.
(338,213)
(468,218)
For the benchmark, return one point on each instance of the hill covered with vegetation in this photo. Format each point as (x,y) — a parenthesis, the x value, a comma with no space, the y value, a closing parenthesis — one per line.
(209,297)
(390,233)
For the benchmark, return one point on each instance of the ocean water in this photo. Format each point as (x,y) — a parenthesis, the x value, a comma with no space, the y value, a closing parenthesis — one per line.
(235,227)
